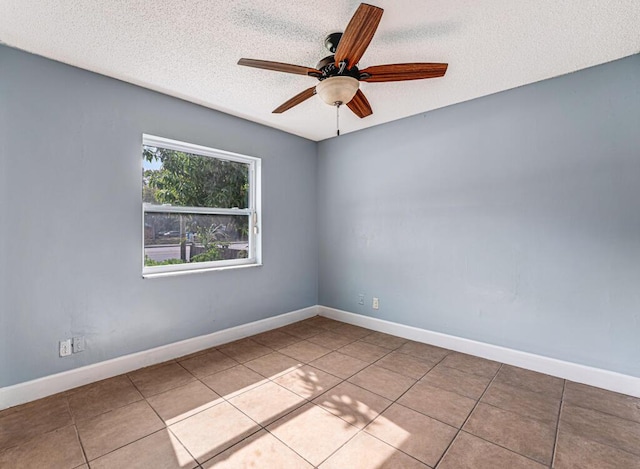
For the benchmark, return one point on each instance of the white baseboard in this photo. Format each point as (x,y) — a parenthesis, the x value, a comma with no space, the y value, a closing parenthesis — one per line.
(48,385)
(598,377)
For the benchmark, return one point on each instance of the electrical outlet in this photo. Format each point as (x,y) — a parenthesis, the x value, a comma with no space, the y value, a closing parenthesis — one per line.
(65,347)
(78,344)
(361,299)
(376,303)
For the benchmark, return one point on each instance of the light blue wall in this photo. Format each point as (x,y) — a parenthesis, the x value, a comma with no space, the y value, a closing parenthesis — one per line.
(513,219)
(70,235)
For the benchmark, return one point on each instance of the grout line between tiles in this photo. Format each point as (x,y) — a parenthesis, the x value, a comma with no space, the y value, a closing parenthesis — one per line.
(185,369)
(604,443)
(73,422)
(224,399)
(259,425)
(84,453)
(505,448)
(343,444)
(310,401)
(286,445)
(124,446)
(555,440)
(572,404)
(280,416)
(468,416)
(484,439)
(521,415)
(183,445)
(166,427)
(226,449)
(361,430)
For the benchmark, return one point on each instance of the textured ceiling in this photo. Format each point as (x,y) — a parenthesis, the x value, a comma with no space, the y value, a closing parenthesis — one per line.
(189,49)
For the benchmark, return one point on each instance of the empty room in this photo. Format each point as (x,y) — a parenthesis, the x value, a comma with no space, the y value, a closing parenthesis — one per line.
(332,235)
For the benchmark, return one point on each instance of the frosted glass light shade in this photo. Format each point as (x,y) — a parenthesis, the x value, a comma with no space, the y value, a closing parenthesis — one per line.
(335,90)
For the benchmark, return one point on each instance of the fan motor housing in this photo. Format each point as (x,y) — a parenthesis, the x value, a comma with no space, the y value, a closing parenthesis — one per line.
(328,68)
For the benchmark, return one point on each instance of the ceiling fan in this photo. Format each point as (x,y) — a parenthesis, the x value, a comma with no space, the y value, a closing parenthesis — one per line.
(339,75)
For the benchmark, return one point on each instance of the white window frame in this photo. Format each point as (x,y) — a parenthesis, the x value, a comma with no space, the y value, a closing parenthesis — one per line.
(253,211)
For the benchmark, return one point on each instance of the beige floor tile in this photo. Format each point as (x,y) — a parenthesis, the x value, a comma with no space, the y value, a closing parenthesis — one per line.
(406,365)
(184,401)
(576,452)
(244,350)
(523,402)
(21,423)
(470,364)
(324,323)
(460,382)
(385,382)
(443,405)
(305,351)
(273,365)
(353,404)
(307,381)
(234,381)
(339,364)
(260,450)
(351,331)
(601,427)
(470,452)
(107,432)
(57,449)
(387,341)
(208,363)
(157,379)
(195,354)
(102,397)
(160,450)
(424,351)
(530,380)
(275,339)
(303,330)
(414,433)
(528,437)
(214,430)
(331,340)
(514,422)
(367,452)
(267,403)
(620,405)
(364,351)
(329,432)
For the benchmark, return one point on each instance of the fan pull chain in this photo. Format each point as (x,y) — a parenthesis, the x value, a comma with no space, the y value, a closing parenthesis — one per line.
(338,119)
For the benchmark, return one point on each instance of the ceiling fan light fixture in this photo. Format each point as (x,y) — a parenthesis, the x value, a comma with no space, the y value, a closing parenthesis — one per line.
(337,90)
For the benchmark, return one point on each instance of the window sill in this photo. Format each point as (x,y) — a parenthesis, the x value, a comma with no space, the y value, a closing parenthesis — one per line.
(193,271)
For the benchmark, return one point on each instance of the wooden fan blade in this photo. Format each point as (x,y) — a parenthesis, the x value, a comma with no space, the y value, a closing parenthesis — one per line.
(297,99)
(401,72)
(358,35)
(360,105)
(279,67)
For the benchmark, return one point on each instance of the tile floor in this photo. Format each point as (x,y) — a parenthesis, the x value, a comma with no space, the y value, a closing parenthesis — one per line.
(320,393)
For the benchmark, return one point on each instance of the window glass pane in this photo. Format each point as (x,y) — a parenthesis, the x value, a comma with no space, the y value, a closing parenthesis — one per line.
(172,238)
(188,180)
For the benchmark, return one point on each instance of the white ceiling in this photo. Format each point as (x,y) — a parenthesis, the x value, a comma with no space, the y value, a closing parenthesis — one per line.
(189,48)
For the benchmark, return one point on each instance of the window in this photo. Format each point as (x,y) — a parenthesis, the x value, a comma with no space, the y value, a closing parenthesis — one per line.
(200,207)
